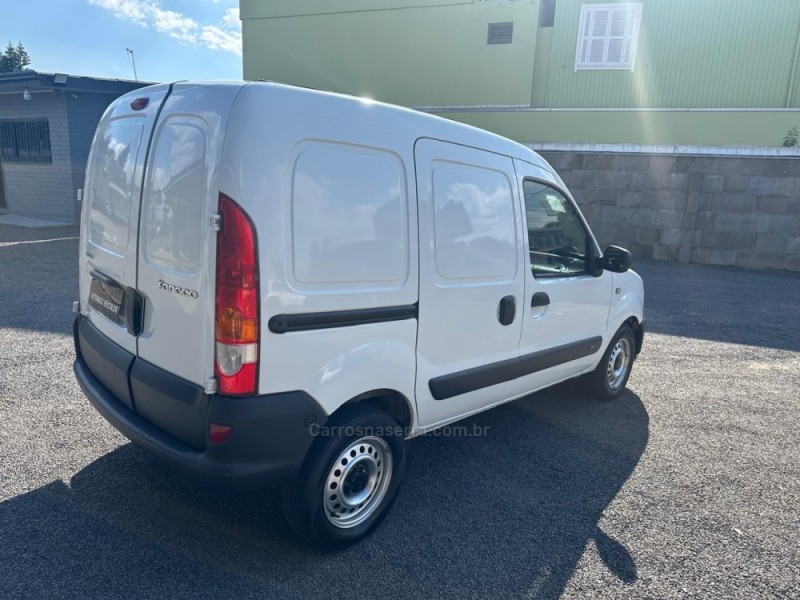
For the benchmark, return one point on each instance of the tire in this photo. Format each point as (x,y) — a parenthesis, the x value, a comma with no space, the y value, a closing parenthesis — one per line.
(332,505)
(610,377)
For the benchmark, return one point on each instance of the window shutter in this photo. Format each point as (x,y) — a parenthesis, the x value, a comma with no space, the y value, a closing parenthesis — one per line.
(600,22)
(607,36)
(616,37)
(632,35)
(584,36)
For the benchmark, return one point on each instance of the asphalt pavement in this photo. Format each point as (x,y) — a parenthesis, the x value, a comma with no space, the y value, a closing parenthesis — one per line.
(686,486)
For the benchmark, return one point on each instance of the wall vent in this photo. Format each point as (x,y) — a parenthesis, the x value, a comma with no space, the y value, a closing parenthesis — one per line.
(500,33)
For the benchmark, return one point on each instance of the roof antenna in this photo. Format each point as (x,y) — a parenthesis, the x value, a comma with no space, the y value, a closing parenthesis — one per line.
(133,62)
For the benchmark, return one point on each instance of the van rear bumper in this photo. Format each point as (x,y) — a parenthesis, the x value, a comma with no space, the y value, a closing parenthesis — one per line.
(270,438)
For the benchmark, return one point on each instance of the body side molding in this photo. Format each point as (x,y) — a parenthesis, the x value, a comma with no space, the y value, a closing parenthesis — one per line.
(454,384)
(340,318)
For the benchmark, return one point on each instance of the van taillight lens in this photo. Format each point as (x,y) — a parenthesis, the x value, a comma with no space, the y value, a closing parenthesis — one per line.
(237,312)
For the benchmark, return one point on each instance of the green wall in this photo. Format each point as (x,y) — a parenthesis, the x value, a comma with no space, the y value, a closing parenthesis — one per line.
(541,67)
(432,53)
(693,128)
(266,9)
(718,54)
(691,54)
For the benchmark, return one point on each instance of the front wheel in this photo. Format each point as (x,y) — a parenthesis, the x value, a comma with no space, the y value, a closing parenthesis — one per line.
(350,478)
(610,377)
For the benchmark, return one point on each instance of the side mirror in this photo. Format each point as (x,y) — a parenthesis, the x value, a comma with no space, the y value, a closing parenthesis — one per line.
(616,259)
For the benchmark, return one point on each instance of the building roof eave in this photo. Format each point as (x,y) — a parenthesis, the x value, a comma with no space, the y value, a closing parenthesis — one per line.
(30,79)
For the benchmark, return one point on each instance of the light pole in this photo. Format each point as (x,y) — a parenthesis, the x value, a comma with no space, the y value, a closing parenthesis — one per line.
(133,62)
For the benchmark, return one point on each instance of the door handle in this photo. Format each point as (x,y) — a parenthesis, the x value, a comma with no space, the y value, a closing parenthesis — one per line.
(103,278)
(540,299)
(134,312)
(506,310)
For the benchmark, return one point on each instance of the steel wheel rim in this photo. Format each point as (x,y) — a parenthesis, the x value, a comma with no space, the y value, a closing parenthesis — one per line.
(357,482)
(618,363)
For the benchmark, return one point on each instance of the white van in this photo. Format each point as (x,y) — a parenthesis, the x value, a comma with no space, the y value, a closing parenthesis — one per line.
(278,286)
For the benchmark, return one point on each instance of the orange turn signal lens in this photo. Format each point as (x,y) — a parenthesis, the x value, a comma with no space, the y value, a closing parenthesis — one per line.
(233,327)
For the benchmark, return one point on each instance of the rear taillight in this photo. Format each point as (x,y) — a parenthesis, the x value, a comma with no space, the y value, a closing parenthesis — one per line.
(237,313)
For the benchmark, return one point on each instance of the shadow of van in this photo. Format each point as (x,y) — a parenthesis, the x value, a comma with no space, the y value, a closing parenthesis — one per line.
(506,513)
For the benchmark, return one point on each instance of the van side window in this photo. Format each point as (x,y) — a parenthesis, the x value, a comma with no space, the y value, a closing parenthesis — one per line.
(474,222)
(557,239)
(349,218)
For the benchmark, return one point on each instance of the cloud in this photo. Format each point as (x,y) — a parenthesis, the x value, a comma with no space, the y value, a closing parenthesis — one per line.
(225,35)
(231,18)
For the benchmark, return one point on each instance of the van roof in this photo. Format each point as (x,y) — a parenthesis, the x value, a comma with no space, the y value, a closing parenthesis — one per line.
(390,116)
(381,115)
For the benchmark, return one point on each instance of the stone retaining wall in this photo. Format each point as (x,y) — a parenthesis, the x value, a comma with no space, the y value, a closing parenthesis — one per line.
(715,210)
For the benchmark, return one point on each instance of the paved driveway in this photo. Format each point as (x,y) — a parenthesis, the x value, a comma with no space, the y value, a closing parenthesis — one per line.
(688,485)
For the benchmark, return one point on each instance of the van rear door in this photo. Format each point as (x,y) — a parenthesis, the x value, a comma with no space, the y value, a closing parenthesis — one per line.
(111,214)
(177,236)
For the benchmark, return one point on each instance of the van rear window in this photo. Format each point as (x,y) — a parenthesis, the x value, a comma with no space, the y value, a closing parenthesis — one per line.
(175,197)
(111,183)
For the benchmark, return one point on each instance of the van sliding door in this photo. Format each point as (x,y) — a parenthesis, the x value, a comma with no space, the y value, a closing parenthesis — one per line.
(471,280)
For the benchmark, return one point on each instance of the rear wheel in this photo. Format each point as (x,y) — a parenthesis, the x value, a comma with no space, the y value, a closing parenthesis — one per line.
(350,478)
(610,377)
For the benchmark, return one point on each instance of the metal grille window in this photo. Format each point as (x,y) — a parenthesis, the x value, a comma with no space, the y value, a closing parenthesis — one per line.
(607,36)
(25,141)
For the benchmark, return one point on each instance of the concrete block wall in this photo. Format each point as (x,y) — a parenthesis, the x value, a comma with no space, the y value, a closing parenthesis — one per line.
(35,190)
(718,210)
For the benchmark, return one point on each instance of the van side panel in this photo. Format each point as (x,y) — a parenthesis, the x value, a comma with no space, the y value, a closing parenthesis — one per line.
(629,303)
(335,207)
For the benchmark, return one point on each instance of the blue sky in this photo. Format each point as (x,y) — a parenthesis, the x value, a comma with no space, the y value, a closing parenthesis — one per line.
(172,39)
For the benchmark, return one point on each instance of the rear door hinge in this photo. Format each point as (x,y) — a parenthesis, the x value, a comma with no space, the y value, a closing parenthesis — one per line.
(216,222)
(210,386)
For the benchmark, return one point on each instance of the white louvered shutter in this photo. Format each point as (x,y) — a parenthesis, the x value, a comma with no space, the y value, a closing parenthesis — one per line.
(607,36)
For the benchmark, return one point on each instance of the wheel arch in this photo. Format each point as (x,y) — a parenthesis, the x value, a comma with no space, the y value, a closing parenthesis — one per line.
(389,401)
(638,331)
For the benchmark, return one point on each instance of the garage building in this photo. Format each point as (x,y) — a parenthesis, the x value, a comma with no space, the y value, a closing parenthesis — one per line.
(47,121)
